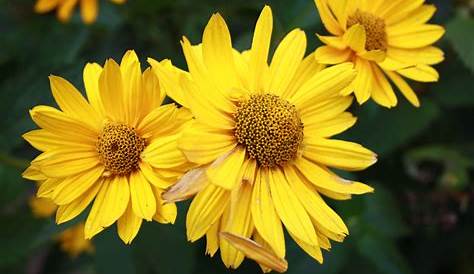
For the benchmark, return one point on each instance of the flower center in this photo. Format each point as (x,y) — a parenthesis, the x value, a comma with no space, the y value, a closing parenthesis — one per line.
(374,29)
(270,129)
(119,148)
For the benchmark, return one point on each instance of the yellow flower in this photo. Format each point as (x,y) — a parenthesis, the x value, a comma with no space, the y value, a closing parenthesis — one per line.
(89,8)
(261,135)
(72,241)
(382,38)
(119,148)
(42,207)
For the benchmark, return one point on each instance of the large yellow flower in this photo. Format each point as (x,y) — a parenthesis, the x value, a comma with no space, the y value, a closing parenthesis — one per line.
(382,38)
(119,148)
(261,135)
(89,8)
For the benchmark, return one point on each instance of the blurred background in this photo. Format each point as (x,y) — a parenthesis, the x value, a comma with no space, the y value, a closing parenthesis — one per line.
(419,220)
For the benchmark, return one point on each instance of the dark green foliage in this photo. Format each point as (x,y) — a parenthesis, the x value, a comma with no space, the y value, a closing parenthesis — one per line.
(419,220)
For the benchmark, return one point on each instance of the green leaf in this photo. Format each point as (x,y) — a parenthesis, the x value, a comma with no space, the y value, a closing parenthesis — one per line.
(459,33)
(384,130)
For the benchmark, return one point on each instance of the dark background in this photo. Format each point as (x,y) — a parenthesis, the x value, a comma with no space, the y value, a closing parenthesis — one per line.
(420,219)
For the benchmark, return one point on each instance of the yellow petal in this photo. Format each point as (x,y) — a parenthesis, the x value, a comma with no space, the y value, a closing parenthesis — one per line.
(44,140)
(382,91)
(327,83)
(338,154)
(168,76)
(205,210)
(291,212)
(404,88)
(43,6)
(333,41)
(239,224)
(91,75)
(212,239)
(260,47)
(256,252)
(165,212)
(264,216)
(92,226)
(152,176)
(418,16)
(65,9)
(330,127)
(69,211)
(330,55)
(420,73)
(158,121)
(319,211)
(217,53)
(70,101)
(307,69)
(33,173)
(228,173)
(89,11)
(401,11)
(47,188)
(65,162)
(324,179)
(142,197)
(374,55)
(212,144)
(325,110)
(415,36)
(355,38)
(327,17)
(363,81)
(60,124)
(164,153)
(312,250)
(128,225)
(115,201)
(133,93)
(111,91)
(285,61)
(73,187)
(427,55)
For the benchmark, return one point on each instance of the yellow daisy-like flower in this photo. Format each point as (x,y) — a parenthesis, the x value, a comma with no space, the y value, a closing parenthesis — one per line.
(261,135)
(383,38)
(119,148)
(89,8)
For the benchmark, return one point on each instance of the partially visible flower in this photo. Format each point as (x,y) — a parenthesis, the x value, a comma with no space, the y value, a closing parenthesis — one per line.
(42,207)
(72,241)
(262,137)
(383,38)
(89,8)
(118,150)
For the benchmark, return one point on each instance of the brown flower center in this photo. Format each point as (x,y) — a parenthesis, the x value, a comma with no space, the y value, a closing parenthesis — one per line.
(119,148)
(374,29)
(270,129)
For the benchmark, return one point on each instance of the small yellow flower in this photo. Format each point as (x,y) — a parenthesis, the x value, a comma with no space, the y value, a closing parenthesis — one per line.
(383,38)
(262,137)
(119,148)
(42,207)
(89,8)
(72,241)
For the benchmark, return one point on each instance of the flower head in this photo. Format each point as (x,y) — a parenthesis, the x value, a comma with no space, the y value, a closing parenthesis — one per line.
(118,149)
(383,38)
(261,136)
(89,8)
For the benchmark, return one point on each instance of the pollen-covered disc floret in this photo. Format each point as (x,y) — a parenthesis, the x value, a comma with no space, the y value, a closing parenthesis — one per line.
(376,36)
(119,147)
(270,129)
